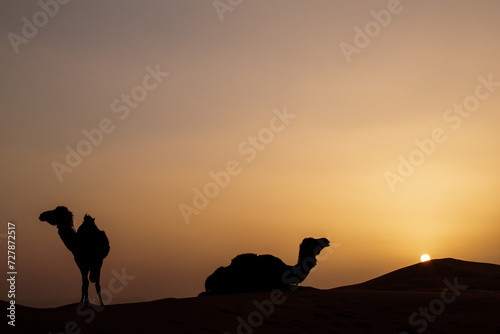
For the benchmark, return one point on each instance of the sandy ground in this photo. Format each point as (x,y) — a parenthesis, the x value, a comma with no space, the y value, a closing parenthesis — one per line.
(434,293)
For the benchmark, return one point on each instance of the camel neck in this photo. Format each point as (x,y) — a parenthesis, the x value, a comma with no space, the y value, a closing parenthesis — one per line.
(68,236)
(306,263)
(301,270)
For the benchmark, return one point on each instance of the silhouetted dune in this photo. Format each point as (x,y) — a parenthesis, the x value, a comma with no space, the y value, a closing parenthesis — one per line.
(430,275)
(382,305)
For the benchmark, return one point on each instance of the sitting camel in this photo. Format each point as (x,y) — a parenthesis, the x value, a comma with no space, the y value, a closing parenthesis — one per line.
(251,272)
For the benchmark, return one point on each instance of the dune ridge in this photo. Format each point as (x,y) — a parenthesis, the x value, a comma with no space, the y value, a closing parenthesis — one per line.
(430,275)
(381,305)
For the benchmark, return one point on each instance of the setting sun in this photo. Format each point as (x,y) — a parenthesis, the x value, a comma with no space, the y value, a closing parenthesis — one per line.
(425,258)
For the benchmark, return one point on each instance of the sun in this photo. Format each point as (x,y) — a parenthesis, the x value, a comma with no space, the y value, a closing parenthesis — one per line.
(425,258)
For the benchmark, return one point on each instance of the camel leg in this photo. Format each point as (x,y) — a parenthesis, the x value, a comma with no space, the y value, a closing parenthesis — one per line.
(85,287)
(98,285)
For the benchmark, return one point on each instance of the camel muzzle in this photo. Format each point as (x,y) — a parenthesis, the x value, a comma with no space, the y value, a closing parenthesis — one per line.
(45,217)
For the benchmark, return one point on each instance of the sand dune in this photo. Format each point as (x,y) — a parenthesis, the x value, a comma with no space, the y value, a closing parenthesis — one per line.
(430,275)
(381,305)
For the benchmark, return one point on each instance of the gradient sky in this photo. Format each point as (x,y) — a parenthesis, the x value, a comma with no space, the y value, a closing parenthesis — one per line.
(324,174)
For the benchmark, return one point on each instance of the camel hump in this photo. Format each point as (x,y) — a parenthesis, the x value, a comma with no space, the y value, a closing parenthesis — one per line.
(93,240)
(254,260)
(243,260)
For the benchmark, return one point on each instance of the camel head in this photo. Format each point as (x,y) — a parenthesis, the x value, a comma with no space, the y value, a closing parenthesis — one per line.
(311,247)
(60,217)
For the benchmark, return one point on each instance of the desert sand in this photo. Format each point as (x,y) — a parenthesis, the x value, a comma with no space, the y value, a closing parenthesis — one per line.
(439,296)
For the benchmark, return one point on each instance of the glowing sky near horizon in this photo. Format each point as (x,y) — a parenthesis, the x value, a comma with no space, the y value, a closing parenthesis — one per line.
(212,137)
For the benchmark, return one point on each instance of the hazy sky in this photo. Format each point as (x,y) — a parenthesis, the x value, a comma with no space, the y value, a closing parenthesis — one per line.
(372,123)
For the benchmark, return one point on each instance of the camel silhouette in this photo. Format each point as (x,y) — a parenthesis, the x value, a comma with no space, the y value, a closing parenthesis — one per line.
(89,246)
(250,272)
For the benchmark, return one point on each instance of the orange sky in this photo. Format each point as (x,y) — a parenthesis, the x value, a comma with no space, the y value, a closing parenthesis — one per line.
(178,93)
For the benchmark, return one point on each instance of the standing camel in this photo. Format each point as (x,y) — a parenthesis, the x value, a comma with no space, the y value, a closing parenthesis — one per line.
(89,246)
